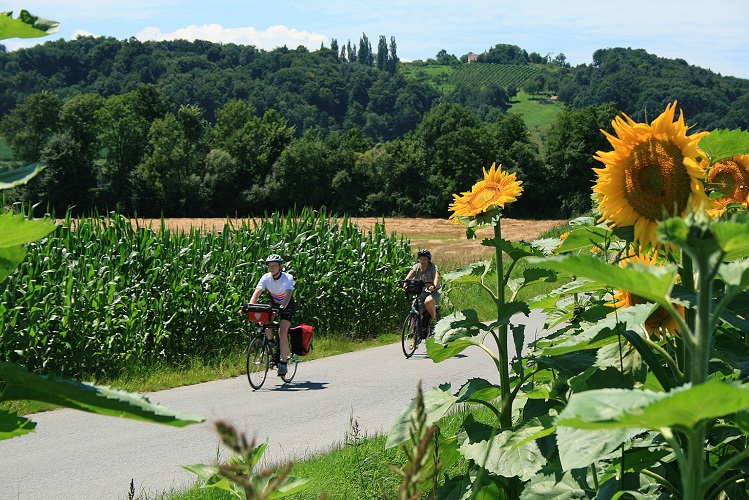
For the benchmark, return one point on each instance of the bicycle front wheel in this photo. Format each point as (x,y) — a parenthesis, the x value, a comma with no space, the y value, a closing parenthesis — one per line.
(291,364)
(410,335)
(258,360)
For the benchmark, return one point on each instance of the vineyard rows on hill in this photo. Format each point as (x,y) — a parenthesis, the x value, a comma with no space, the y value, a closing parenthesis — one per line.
(503,75)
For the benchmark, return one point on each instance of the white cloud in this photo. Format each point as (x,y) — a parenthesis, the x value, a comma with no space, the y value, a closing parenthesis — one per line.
(268,39)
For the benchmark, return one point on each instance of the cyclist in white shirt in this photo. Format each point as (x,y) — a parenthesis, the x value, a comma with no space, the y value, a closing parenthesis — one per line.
(280,286)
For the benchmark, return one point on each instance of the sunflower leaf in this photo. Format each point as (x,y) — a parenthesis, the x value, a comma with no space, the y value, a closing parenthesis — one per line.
(652,283)
(597,335)
(20,175)
(25,26)
(722,144)
(515,250)
(475,269)
(17,230)
(508,453)
(586,237)
(20,384)
(732,237)
(620,408)
(438,402)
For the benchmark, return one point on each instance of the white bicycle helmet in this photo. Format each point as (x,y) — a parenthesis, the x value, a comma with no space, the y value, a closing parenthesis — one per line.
(274,258)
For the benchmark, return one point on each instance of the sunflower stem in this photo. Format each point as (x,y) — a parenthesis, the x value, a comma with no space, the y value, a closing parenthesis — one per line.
(693,483)
(505,418)
(687,279)
(504,361)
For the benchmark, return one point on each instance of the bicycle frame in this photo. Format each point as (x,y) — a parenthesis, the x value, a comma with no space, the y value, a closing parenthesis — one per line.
(417,325)
(263,355)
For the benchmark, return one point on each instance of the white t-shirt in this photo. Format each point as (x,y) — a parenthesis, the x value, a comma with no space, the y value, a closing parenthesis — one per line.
(276,288)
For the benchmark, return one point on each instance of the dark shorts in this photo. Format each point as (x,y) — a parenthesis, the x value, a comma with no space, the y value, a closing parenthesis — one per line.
(288,311)
(435,295)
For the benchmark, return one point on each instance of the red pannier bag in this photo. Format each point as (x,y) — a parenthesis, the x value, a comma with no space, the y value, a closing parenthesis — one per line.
(300,339)
(259,313)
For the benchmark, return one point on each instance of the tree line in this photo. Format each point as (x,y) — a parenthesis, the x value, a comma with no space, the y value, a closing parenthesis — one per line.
(132,153)
(201,129)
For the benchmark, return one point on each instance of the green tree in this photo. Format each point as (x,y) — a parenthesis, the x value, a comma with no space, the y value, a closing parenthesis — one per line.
(168,181)
(382,54)
(365,51)
(392,56)
(28,127)
(334,47)
(68,182)
(302,175)
(255,144)
(124,135)
(533,85)
(572,142)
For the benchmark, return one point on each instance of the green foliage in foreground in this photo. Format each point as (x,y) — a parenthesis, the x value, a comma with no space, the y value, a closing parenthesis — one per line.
(360,467)
(99,295)
(16,383)
(598,406)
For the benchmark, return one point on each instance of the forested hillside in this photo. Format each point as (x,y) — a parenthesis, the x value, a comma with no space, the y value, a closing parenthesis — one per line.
(203,129)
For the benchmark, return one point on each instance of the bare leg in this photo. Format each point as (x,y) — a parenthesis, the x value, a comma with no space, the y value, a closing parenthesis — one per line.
(283,335)
(431,306)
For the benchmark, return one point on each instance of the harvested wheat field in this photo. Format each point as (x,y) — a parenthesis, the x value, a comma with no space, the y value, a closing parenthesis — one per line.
(445,240)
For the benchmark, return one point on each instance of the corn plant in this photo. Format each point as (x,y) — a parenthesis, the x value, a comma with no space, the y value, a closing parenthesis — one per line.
(102,294)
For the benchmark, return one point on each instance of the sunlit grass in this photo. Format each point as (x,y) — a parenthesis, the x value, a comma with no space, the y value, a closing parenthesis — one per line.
(357,468)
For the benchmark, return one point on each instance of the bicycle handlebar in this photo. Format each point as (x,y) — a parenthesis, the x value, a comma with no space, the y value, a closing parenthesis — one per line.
(424,284)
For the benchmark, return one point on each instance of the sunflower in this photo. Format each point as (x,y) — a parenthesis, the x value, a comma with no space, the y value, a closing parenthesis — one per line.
(731,178)
(495,190)
(660,323)
(652,170)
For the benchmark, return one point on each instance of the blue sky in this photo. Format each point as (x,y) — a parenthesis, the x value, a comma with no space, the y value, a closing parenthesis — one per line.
(710,34)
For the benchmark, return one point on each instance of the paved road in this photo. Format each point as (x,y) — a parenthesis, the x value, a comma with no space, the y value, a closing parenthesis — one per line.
(76,455)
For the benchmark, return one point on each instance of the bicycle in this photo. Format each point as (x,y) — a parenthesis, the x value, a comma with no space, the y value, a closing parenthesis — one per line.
(417,326)
(262,353)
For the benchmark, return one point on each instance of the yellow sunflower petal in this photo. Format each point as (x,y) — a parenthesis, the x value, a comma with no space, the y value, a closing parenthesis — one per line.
(651,171)
(495,190)
(731,178)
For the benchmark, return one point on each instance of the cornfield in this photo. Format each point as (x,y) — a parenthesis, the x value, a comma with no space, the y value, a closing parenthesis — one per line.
(100,296)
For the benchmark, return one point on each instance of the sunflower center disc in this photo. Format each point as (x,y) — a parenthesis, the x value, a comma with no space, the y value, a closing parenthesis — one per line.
(656,179)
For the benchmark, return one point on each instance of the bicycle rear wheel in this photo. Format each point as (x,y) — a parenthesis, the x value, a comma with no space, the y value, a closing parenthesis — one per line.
(291,365)
(410,335)
(258,360)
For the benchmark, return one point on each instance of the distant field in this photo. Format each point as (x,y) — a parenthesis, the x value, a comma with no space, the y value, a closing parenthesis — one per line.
(503,75)
(537,117)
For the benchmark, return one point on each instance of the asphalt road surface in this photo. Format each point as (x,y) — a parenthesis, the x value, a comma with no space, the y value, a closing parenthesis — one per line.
(77,455)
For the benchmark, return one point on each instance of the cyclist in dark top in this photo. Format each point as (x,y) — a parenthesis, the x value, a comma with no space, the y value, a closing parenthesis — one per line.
(280,286)
(426,270)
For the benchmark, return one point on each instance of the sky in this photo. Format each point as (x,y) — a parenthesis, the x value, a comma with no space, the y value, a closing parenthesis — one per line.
(710,34)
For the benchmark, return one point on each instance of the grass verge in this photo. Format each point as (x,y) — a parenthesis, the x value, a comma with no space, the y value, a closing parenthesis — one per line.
(357,468)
